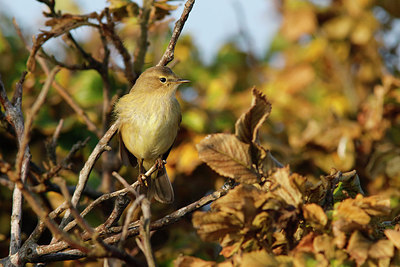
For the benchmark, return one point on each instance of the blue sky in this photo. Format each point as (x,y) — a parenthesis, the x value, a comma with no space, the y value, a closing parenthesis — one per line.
(211,22)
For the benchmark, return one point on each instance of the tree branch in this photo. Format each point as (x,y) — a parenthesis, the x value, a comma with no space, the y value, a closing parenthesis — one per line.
(169,53)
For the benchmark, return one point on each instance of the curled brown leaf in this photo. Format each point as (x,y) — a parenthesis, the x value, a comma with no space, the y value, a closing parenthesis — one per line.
(229,157)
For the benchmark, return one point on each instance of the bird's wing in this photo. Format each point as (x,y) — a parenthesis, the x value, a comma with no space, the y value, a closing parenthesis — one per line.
(165,155)
(126,156)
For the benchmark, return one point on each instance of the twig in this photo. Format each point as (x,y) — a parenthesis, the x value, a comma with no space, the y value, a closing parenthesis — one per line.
(172,217)
(61,90)
(70,101)
(109,29)
(142,43)
(13,114)
(31,114)
(132,208)
(87,168)
(52,144)
(144,240)
(115,233)
(169,53)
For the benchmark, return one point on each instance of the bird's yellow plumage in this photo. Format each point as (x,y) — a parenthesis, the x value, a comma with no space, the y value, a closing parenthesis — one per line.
(149,121)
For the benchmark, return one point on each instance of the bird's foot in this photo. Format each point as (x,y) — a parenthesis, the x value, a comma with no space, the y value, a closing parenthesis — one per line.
(142,178)
(160,163)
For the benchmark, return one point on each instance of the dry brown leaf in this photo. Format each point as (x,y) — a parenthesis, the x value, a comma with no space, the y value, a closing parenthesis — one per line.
(315,215)
(381,249)
(239,221)
(259,258)
(358,247)
(324,244)
(189,261)
(349,211)
(247,126)
(162,9)
(59,26)
(228,156)
(287,186)
(376,205)
(394,237)
(228,215)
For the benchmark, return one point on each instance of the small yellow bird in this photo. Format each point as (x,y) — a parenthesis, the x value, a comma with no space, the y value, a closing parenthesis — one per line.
(149,122)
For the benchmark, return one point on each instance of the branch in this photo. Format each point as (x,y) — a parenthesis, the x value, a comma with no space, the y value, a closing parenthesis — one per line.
(169,53)
(61,90)
(14,116)
(87,168)
(174,216)
(115,233)
(141,48)
(143,241)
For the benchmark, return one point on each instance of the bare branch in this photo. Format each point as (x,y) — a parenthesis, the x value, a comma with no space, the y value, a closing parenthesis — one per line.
(142,43)
(144,240)
(172,217)
(70,101)
(169,53)
(87,168)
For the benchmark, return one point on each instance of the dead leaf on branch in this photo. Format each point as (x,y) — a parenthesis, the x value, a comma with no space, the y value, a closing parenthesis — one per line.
(394,237)
(247,126)
(59,26)
(162,9)
(228,156)
(358,247)
(356,214)
(287,186)
(240,221)
(315,215)
(128,10)
(189,261)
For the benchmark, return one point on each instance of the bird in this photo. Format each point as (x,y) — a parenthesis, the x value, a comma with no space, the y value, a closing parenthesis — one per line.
(150,117)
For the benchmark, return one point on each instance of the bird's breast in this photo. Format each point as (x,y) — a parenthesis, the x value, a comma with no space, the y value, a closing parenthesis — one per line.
(149,129)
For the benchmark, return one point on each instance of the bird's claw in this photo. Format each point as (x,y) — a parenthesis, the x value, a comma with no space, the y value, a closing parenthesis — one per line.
(160,163)
(143,180)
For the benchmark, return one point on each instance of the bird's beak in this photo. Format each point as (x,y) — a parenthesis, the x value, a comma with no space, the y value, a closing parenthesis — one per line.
(182,81)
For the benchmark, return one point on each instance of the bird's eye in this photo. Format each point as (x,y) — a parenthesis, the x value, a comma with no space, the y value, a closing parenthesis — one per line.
(163,80)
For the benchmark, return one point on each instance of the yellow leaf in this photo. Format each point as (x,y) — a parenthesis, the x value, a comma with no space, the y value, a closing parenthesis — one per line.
(338,28)
(298,22)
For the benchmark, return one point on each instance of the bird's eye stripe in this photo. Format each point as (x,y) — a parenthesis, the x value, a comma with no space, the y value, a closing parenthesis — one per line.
(163,80)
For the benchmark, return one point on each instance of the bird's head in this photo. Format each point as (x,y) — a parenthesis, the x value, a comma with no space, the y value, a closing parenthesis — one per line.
(159,80)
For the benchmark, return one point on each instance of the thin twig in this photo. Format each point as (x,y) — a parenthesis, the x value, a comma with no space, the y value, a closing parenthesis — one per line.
(169,53)
(142,43)
(87,168)
(61,90)
(31,114)
(172,217)
(70,101)
(144,240)
(115,233)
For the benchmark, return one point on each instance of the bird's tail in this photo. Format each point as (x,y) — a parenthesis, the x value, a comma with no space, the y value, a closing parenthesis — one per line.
(160,185)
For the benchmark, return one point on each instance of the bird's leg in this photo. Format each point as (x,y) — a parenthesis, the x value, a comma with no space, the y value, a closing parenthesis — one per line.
(160,163)
(142,178)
